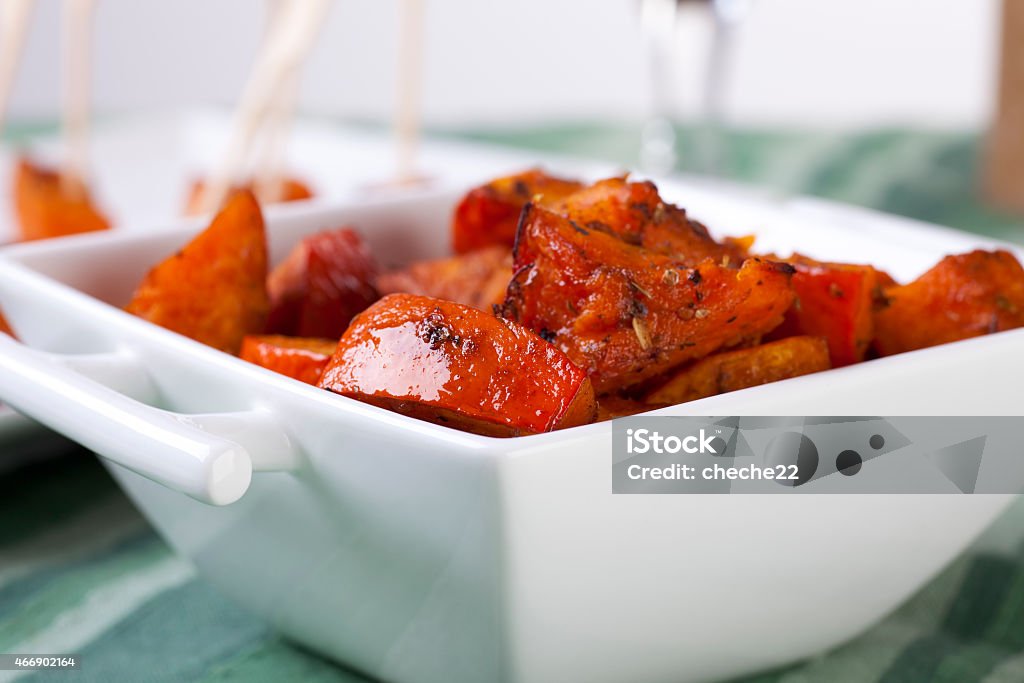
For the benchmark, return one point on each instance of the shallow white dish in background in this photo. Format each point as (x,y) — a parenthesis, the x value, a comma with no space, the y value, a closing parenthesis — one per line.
(420,554)
(143,166)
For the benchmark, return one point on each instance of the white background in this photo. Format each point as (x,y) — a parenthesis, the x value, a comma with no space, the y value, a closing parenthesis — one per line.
(823,63)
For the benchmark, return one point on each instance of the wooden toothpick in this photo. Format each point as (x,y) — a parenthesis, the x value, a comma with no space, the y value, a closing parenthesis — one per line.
(270,170)
(77,71)
(14,18)
(278,61)
(268,180)
(407,111)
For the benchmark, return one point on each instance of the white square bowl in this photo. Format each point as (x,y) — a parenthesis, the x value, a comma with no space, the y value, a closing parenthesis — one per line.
(419,554)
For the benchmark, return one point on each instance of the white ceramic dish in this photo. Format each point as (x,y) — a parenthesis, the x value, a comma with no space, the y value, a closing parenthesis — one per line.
(419,554)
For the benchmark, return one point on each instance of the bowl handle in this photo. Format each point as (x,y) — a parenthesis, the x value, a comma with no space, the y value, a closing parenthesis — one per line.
(99,401)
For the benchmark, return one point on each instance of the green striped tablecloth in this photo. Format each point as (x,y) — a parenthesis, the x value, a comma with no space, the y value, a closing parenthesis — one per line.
(82,572)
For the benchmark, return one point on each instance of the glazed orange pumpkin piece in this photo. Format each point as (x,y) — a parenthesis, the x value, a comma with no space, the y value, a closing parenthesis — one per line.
(477,278)
(743,368)
(835,301)
(627,314)
(46,208)
(214,290)
(962,296)
(291,190)
(488,214)
(458,366)
(636,213)
(325,280)
(297,357)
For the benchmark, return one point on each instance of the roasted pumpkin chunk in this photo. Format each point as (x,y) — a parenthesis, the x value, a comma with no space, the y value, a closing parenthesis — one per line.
(962,296)
(636,213)
(477,278)
(626,314)
(326,279)
(297,357)
(455,365)
(46,207)
(214,290)
(488,214)
(834,301)
(5,326)
(290,190)
(743,368)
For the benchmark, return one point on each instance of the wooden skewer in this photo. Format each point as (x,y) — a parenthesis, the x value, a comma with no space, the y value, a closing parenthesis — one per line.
(77,79)
(14,17)
(268,176)
(270,171)
(407,113)
(279,59)
(275,11)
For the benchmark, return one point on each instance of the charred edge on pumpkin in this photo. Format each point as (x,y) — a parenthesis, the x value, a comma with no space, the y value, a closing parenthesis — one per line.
(642,208)
(577,228)
(779,267)
(520,227)
(697,227)
(510,307)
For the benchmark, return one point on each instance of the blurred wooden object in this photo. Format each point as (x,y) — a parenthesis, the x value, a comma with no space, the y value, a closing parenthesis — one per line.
(407,113)
(269,176)
(1004,182)
(280,57)
(14,18)
(77,73)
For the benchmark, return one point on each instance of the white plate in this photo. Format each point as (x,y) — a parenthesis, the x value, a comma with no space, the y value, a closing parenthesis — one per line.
(143,168)
(419,554)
